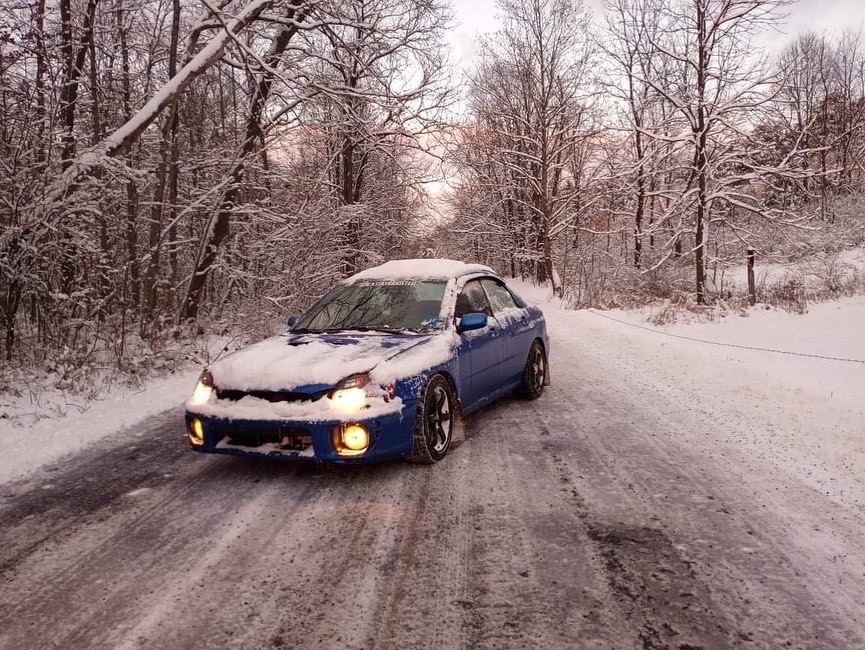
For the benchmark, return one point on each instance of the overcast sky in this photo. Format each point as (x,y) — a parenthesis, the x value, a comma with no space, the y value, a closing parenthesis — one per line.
(478,16)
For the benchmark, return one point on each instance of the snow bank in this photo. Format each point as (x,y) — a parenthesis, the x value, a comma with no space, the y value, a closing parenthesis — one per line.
(535,294)
(799,415)
(25,448)
(813,271)
(832,329)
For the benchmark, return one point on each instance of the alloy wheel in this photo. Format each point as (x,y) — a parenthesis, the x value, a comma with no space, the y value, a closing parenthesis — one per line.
(439,418)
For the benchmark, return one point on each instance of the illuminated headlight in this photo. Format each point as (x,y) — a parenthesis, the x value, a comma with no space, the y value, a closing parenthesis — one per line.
(350,395)
(203,390)
(348,400)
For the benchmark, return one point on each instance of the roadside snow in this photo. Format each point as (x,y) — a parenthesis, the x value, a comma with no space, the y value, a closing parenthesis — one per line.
(24,448)
(800,415)
(814,272)
(832,329)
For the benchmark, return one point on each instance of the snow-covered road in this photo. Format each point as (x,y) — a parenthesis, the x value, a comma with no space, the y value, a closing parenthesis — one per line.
(635,504)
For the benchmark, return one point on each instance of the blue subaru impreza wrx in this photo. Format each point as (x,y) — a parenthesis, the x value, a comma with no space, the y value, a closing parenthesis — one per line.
(385,365)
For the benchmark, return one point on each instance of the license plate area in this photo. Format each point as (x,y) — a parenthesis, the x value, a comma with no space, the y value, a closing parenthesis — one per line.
(284,439)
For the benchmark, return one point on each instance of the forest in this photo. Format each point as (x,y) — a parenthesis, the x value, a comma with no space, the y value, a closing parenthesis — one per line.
(170,168)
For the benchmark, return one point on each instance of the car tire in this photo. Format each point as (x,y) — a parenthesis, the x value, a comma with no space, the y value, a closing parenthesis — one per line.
(535,372)
(436,421)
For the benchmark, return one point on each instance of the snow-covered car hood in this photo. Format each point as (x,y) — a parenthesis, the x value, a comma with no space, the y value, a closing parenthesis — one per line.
(290,361)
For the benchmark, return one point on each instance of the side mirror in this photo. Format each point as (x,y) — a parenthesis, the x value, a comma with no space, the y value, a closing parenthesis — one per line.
(473,321)
(292,320)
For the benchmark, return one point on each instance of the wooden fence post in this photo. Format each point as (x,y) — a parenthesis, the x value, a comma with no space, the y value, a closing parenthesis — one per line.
(752,288)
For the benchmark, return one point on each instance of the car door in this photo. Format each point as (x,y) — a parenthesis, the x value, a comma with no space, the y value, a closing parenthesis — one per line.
(517,331)
(481,351)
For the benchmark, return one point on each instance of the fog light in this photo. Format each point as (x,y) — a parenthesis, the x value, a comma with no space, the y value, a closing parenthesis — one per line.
(355,437)
(351,439)
(196,432)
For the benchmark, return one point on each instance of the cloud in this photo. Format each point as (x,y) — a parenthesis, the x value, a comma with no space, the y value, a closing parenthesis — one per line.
(833,16)
(478,17)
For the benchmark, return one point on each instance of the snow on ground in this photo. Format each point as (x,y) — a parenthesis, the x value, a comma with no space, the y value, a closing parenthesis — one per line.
(47,420)
(802,415)
(25,446)
(814,272)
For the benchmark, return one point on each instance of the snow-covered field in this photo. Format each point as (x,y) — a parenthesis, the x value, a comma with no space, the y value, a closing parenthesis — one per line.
(802,414)
(42,422)
(816,273)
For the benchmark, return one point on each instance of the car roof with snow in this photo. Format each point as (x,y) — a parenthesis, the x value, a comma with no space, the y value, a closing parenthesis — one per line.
(420,269)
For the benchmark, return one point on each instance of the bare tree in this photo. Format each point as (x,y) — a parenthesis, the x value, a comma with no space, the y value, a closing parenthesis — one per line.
(381,83)
(716,89)
(631,31)
(530,97)
(295,13)
(74,218)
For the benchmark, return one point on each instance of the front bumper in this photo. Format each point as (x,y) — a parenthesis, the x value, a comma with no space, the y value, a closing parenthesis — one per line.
(391,436)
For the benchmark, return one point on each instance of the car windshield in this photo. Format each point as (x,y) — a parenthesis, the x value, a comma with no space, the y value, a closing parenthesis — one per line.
(377,305)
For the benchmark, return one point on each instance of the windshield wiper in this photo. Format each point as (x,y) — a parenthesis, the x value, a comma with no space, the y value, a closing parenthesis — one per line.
(384,330)
(355,328)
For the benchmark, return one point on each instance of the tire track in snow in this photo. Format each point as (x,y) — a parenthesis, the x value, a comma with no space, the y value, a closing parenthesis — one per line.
(711,508)
(651,584)
(543,530)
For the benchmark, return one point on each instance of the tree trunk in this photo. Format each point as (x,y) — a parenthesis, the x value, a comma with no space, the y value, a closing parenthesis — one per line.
(41,145)
(752,285)
(73,74)
(350,243)
(151,275)
(222,220)
(131,188)
(641,200)
(700,158)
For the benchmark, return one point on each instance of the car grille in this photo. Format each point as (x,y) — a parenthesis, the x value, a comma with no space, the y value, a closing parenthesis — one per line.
(293,439)
(269,395)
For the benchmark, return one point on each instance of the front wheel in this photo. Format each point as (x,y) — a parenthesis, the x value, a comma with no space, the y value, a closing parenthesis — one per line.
(435,421)
(535,372)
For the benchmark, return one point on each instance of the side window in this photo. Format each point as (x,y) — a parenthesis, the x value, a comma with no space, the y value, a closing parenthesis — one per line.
(500,298)
(472,299)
